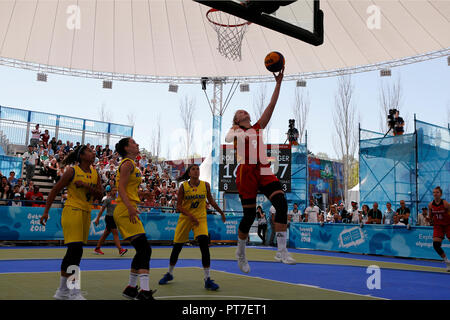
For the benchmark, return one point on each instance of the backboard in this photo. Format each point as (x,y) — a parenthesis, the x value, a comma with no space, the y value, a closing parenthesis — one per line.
(300,19)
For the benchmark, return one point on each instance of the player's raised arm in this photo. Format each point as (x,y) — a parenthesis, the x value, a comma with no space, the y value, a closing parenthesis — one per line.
(267,114)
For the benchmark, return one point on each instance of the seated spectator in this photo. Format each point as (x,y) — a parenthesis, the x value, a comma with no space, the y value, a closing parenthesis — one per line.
(330,215)
(39,202)
(52,170)
(21,187)
(64,197)
(355,214)
(16,201)
(45,137)
(388,216)
(173,201)
(312,212)
(163,190)
(3,183)
(44,157)
(149,199)
(423,219)
(12,179)
(52,145)
(375,215)
(33,195)
(4,194)
(403,213)
(344,215)
(163,203)
(364,214)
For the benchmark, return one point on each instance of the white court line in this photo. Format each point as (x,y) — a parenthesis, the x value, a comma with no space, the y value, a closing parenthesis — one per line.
(209,296)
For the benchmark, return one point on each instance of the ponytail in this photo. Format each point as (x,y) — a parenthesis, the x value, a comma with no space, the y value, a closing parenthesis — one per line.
(185,175)
(120,147)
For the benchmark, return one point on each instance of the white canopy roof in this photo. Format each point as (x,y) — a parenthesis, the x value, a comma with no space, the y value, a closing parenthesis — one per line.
(158,40)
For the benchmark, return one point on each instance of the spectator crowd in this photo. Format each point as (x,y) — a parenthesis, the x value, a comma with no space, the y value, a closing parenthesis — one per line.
(158,188)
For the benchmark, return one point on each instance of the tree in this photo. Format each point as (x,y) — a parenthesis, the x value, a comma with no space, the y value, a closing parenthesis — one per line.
(345,139)
(104,114)
(187,110)
(300,108)
(390,97)
(155,142)
(259,105)
(131,118)
(322,155)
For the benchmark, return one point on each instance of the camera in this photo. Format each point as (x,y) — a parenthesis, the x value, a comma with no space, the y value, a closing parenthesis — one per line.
(391,118)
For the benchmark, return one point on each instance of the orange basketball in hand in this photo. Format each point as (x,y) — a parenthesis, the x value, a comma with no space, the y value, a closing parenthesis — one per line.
(274,61)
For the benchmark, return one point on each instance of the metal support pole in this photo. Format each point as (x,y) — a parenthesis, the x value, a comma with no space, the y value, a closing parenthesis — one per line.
(217,110)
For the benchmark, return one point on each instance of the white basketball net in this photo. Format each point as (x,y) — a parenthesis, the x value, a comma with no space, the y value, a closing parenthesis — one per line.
(230,32)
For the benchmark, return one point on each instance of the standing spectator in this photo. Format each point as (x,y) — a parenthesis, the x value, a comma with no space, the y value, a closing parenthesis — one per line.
(143,162)
(52,145)
(403,213)
(33,195)
(397,221)
(35,136)
(388,216)
(355,214)
(272,226)
(31,160)
(330,215)
(345,217)
(262,224)
(375,215)
(365,213)
(312,212)
(12,179)
(423,219)
(45,137)
(294,215)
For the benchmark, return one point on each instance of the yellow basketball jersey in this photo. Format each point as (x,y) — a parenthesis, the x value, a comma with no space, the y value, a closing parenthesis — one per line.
(195,198)
(80,197)
(134,181)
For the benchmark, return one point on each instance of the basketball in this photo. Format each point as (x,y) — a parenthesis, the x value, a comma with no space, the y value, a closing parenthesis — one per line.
(274,61)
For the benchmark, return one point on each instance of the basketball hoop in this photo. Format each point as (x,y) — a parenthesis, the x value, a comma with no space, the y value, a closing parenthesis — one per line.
(230,32)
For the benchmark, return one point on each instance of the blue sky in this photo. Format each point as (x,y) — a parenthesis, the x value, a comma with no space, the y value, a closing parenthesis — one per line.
(425,92)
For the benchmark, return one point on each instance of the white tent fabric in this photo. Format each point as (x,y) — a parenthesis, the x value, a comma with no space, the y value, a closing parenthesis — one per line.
(353,195)
(172,38)
(205,169)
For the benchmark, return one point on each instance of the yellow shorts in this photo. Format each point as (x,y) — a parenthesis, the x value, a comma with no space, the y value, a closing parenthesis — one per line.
(75,224)
(122,219)
(184,226)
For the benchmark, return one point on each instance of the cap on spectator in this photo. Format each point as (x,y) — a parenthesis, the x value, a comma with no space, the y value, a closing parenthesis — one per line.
(108,188)
(17,195)
(354,202)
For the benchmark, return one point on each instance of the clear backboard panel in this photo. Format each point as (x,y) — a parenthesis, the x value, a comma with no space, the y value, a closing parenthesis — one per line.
(300,19)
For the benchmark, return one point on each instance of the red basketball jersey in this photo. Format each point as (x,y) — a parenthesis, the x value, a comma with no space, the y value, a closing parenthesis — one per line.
(440,214)
(252,150)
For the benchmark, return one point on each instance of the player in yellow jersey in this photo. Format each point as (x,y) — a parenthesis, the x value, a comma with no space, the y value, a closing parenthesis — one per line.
(126,216)
(84,185)
(192,197)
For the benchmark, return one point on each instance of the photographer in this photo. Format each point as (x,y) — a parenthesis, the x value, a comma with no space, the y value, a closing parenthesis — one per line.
(292,134)
(395,122)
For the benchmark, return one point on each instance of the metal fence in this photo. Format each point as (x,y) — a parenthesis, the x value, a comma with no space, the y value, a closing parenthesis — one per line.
(16,126)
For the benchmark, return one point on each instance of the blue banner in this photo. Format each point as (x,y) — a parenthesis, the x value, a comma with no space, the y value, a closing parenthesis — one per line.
(23,223)
(385,240)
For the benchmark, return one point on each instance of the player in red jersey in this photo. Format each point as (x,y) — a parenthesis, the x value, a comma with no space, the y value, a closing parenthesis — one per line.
(253,174)
(440,212)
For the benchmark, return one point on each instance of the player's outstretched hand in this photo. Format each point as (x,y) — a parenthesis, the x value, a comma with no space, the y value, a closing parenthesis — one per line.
(134,218)
(279,76)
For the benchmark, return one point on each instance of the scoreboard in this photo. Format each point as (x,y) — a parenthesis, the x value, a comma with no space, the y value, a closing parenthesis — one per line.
(278,155)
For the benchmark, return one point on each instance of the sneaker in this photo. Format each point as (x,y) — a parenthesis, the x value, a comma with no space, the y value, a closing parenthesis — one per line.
(286,258)
(167,277)
(130,292)
(98,251)
(75,294)
(145,295)
(122,251)
(62,294)
(242,262)
(210,285)
(278,256)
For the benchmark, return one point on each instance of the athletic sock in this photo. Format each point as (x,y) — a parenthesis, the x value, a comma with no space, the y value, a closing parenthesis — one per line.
(281,240)
(133,280)
(63,283)
(206,270)
(171,269)
(241,246)
(143,281)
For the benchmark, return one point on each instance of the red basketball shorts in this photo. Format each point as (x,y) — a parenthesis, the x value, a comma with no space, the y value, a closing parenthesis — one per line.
(441,230)
(249,179)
